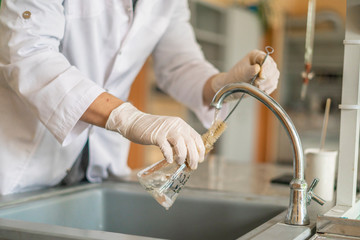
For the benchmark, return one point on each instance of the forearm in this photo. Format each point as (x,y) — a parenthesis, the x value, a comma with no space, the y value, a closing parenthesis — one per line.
(99,111)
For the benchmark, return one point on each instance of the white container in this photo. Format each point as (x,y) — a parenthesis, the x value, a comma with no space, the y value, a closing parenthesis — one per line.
(321,165)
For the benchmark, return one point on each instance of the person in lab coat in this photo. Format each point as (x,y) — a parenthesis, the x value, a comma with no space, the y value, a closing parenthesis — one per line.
(66,68)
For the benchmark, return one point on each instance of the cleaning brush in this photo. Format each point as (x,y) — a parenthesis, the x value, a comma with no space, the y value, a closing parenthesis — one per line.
(212,135)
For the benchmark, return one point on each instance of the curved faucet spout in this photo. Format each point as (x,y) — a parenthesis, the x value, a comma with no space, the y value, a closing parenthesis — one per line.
(297,213)
(276,109)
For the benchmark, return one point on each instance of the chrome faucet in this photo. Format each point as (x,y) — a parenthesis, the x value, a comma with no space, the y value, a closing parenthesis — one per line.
(299,196)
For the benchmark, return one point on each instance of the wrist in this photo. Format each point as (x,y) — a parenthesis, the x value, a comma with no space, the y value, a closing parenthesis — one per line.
(121,118)
(100,109)
(219,81)
(212,85)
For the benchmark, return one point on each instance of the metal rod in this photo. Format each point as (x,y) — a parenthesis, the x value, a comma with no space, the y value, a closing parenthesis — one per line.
(309,48)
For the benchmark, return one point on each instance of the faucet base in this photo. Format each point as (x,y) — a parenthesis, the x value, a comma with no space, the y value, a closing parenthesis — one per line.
(297,212)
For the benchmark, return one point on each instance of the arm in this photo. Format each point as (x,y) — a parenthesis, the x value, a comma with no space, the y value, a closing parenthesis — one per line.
(59,95)
(31,64)
(183,72)
(99,110)
(208,91)
(180,67)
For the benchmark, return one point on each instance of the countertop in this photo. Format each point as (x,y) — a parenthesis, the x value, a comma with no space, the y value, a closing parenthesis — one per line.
(251,179)
(244,178)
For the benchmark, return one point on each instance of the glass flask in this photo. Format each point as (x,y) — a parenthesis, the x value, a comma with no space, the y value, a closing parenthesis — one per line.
(164,181)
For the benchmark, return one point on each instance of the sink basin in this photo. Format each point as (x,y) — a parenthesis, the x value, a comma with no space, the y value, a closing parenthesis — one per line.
(125,208)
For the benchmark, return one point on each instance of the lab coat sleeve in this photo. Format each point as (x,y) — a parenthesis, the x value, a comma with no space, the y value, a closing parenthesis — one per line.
(56,91)
(180,67)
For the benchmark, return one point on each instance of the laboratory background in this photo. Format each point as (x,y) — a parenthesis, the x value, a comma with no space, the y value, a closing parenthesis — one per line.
(285,167)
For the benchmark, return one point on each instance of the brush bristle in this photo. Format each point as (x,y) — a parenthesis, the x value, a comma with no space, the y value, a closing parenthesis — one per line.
(211,136)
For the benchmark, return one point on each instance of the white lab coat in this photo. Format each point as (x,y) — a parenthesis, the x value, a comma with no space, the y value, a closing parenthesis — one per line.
(56,61)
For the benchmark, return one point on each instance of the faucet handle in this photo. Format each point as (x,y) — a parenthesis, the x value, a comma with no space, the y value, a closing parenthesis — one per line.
(312,196)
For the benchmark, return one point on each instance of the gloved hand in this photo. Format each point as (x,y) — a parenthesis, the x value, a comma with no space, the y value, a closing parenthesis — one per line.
(246,69)
(173,136)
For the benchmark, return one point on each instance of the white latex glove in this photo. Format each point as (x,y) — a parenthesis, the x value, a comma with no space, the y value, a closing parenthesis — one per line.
(246,69)
(174,136)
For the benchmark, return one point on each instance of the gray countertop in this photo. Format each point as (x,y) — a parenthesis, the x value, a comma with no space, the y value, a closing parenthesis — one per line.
(251,179)
(245,178)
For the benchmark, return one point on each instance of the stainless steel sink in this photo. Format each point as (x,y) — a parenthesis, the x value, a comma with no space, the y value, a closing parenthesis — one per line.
(122,210)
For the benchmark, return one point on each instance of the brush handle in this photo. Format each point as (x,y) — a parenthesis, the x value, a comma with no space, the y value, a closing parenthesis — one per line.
(211,136)
(325,124)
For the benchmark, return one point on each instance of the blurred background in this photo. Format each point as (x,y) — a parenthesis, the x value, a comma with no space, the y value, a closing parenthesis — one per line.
(227,31)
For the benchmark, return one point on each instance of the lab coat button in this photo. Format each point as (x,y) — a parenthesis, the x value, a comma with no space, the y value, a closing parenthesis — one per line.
(129,9)
(26,14)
